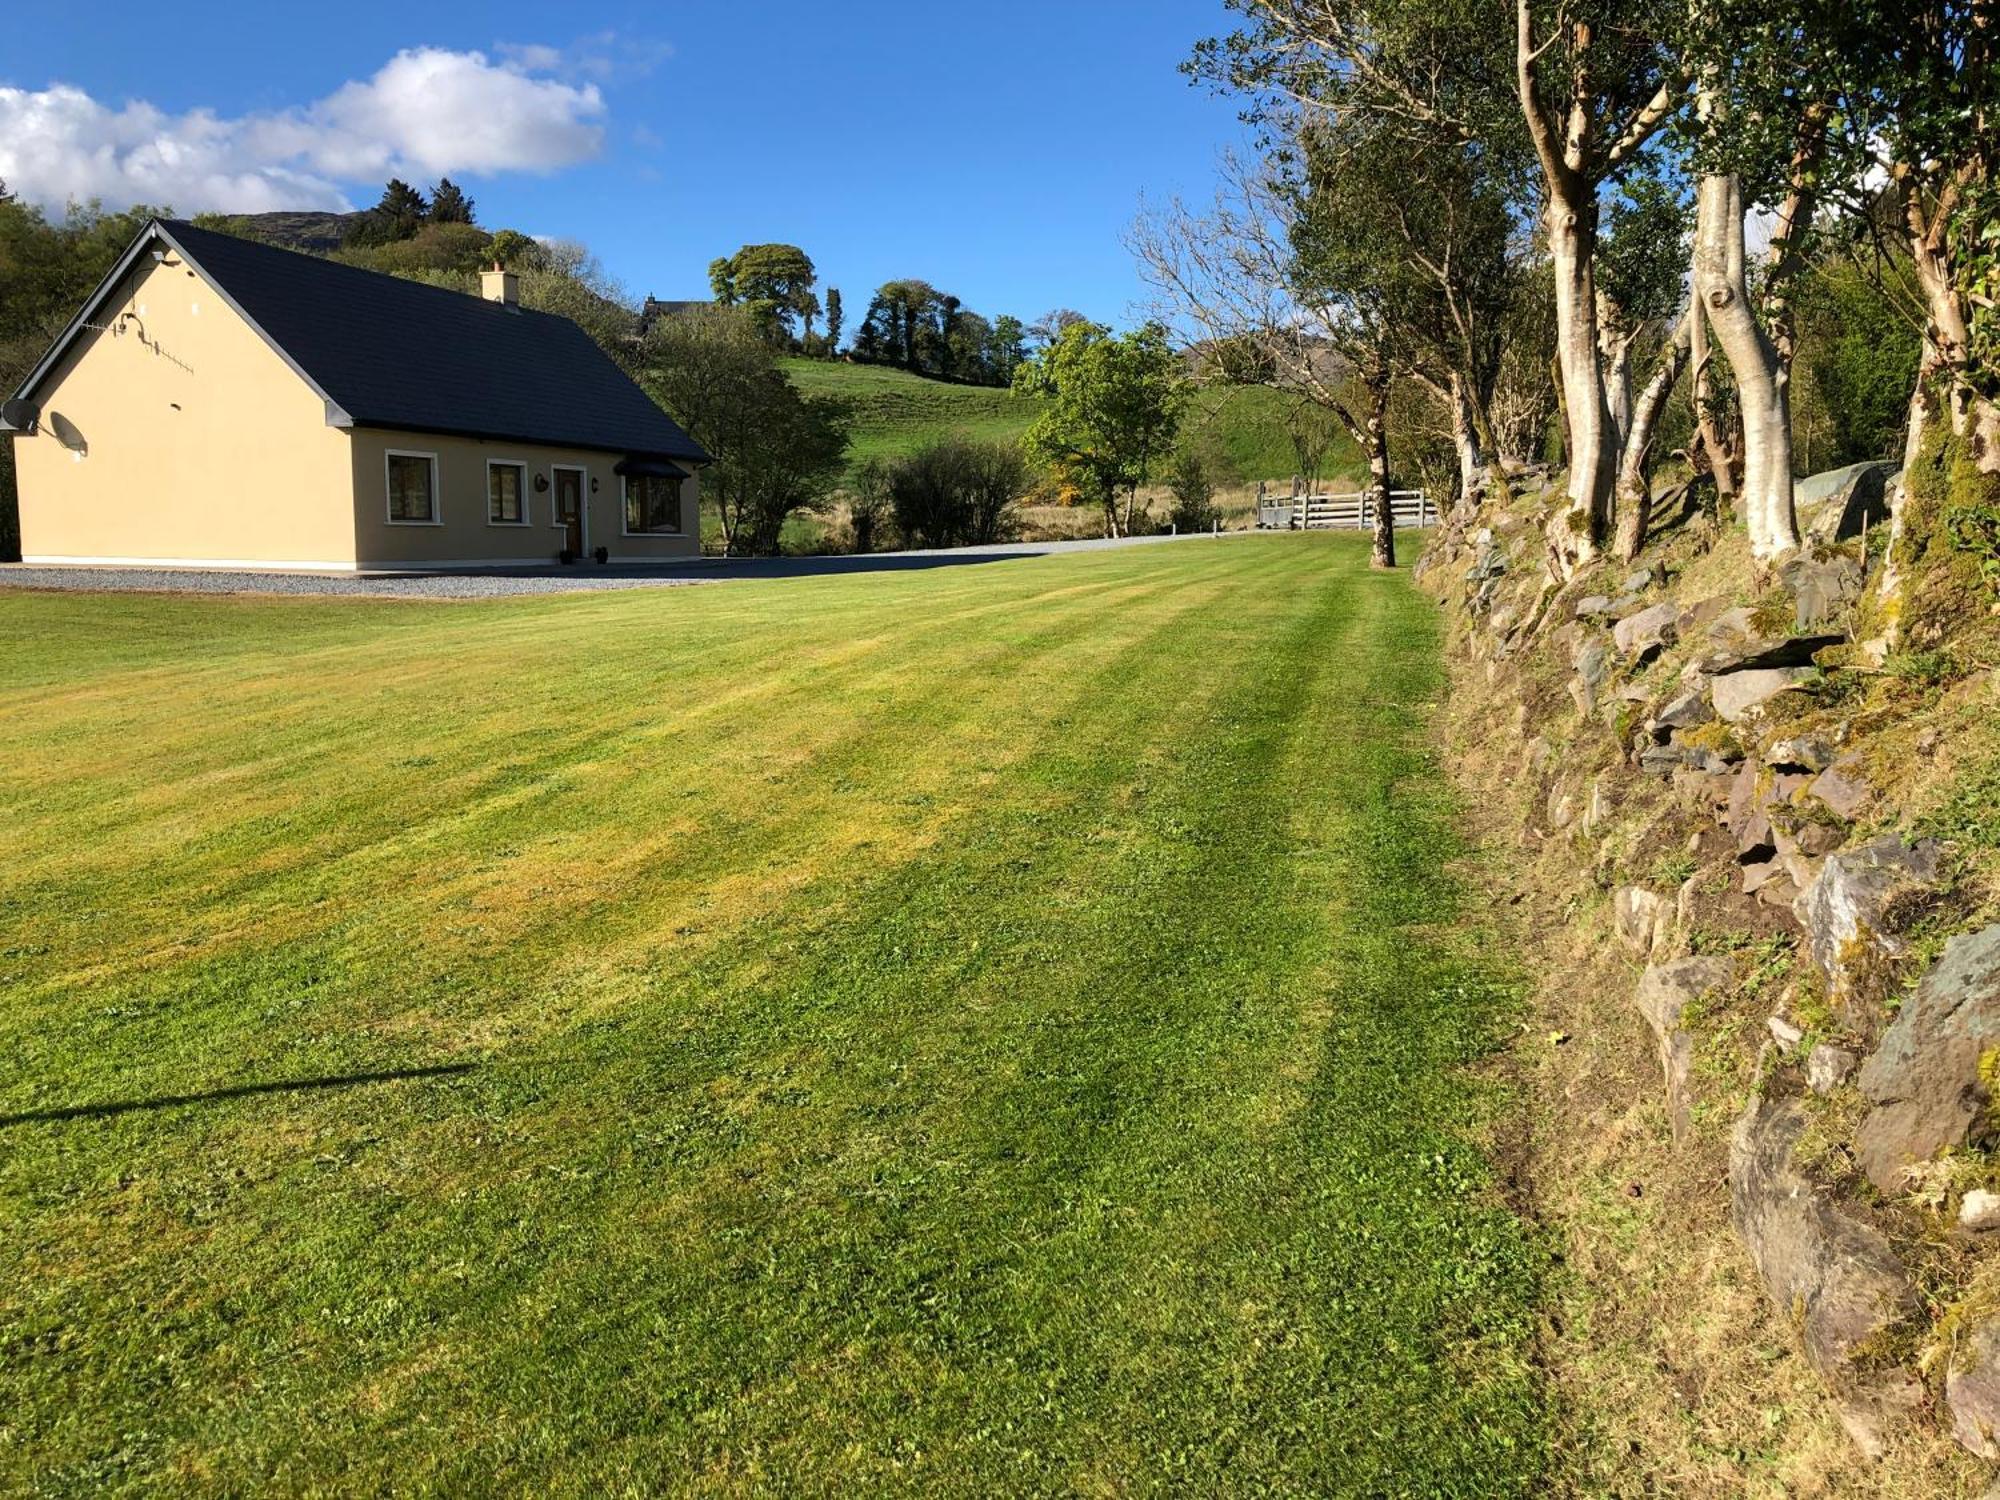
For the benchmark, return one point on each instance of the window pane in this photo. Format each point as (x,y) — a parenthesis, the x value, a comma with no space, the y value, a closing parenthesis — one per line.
(652,503)
(503,493)
(410,488)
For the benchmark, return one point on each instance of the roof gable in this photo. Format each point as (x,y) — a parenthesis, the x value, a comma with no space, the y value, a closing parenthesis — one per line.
(386,352)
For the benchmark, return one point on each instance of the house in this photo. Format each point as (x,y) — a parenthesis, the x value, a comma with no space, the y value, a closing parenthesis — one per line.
(220,403)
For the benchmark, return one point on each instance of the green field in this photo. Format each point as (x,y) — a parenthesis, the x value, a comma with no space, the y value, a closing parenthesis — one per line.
(1240,429)
(991,1030)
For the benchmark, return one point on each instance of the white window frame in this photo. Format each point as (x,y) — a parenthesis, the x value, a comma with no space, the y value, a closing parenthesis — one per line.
(582,501)
(527,510)
(625,510)
(437,491)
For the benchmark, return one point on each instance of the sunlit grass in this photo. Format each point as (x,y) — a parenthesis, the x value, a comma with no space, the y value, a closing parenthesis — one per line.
(976,1031)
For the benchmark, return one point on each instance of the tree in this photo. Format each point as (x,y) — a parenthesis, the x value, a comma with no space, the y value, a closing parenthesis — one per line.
(514,249)
(836,317)
(1193,491)
(1111,405)
(774,284)
(1296,258)
(1595,83)
(449,205)
(1006,348)
(1052,324)
(775,451)
(895,314)
(1408,94)
(399,214)
(1313,430)
(869,503)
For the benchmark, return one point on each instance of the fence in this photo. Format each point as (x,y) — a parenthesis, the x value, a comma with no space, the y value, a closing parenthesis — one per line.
(1408,508)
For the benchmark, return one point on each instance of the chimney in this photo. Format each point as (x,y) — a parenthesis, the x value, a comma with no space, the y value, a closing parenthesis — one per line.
(500,285)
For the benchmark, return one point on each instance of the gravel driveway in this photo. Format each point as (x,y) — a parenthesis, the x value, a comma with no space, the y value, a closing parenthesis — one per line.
(505,582)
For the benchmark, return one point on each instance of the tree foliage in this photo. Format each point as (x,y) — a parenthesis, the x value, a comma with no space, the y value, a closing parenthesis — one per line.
(775,450)
(1111,407)
(775,285)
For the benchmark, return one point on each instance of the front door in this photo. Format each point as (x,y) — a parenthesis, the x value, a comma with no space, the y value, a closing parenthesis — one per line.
(569,509)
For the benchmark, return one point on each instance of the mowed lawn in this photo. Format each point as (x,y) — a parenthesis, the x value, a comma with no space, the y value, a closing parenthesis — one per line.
(992,1030)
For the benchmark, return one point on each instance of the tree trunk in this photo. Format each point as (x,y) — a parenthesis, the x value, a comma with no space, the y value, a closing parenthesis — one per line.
(1572,230)
(1617,347)
(1635,490)
(1472,463)
(1384,555)
(1762,385)
(1708,439)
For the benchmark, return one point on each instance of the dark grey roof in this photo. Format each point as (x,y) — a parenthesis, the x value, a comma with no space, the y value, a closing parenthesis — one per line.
(387,352)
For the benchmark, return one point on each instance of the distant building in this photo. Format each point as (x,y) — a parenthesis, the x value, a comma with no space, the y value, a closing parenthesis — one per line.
(653,309)
(223,403)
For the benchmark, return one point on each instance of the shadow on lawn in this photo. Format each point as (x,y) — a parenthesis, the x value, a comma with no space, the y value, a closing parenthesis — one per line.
(283,1086)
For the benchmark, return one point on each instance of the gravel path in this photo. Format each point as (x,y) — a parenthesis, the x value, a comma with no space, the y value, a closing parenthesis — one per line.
(507,582)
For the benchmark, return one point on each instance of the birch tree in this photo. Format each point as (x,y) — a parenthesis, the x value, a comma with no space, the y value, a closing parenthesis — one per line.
(1596,81)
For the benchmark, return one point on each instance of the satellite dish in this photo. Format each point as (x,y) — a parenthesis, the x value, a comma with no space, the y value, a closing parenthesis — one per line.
(67,434)
(20,416)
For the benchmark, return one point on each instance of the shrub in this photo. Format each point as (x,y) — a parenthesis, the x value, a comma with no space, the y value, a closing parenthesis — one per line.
(1194,506)
(957,492)
(868,506)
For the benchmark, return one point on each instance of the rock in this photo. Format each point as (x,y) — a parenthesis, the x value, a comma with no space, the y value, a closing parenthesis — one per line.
(1759,873)
(1664,994)
(1597,812)
(1592,605)
(1785,1034)
(1592,664)
(1488,561)
(1661,760)
(1925,1081)
(1829,1067)
(1737,695)
(1702,612)
(1823,589)
(1851,919)
(1685,712)
(1642,919)
(1841,789)
(1979,1211)
(1837,504)
(1735,642)
(1804,753)
(1833,1278)
(1779,892)
(1972,1389)
(1562,808)
(1647,630)
(1637,583)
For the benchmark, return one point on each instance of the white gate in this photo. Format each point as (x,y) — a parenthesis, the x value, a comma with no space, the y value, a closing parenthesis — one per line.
(1409,508)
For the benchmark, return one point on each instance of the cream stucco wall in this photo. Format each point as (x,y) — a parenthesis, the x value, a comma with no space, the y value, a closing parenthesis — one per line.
(463,533)
(196,442)
(192,441)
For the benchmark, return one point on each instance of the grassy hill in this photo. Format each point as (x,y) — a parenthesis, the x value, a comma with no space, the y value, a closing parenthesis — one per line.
(1241,430)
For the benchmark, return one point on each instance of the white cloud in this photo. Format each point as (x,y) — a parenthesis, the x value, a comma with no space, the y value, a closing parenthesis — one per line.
(426,113)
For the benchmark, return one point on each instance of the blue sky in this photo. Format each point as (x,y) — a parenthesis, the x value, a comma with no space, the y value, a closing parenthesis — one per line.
(997,151)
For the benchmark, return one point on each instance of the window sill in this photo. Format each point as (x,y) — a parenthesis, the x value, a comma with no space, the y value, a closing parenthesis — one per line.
(510,525)
(394,522)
